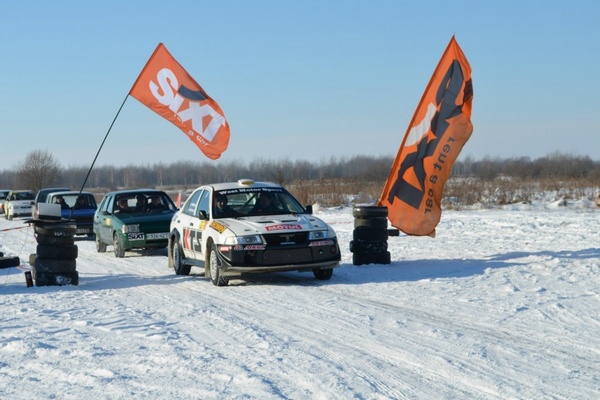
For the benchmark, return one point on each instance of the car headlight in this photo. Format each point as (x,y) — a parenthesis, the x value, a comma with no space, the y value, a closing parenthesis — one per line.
(320,235)
(251,239)
(134,228)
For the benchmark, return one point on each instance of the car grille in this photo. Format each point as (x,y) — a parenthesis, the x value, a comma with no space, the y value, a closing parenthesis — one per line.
(287,238)
(288,256)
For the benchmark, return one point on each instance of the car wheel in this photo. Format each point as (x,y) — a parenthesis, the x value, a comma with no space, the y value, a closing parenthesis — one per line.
(9,217)
(100,246)
(323,274)
(118,246)
(215,271)
(178,265)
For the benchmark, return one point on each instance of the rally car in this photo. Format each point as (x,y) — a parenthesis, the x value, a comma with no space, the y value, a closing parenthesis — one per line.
(249,227)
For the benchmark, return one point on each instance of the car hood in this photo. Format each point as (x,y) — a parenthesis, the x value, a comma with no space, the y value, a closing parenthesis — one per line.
(271,224)
(21,203)
(140,218)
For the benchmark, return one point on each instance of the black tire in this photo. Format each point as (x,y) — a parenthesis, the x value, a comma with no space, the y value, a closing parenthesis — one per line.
(100,246)
(118,246)
(58,229)
(53,279)
(68,252)
(55,240)
(383,258)
(370,212)
(178,261)
(360,246)
(323,274)
(362,259)
(371,223)
(370,235)
(213,263)
(54,266)
(8,262)
(393,232)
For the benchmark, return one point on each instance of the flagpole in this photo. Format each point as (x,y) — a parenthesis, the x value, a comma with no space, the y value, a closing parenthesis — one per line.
(101,145)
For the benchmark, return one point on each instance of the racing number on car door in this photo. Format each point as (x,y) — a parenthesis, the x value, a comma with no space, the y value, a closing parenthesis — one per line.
(191,241)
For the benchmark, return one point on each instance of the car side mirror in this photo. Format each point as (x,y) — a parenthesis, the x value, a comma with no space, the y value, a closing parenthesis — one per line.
(309,209)
(202,215)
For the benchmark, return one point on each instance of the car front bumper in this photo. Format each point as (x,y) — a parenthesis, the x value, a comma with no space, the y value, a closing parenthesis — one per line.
(264,258)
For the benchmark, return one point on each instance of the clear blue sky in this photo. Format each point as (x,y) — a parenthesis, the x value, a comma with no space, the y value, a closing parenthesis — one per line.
(300,80)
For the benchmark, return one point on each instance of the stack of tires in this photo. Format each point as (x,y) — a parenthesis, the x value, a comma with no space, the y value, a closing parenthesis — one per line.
(369,239)
(54,263)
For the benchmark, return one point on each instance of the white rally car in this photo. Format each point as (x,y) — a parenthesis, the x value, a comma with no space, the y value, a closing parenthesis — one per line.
(249,227)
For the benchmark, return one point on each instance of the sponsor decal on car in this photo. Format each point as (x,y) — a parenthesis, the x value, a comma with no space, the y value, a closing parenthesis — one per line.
(135,236)
(218,227)
(283,227)
(239,247)
(321,243)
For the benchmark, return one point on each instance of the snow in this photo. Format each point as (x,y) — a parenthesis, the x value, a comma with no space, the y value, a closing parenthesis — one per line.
(502,304)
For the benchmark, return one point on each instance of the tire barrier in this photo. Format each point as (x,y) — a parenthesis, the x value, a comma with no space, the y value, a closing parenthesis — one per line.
(9,262)
(54,263)
(369,238)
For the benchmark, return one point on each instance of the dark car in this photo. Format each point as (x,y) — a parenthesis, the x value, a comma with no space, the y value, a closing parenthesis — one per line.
(40,197)
(77,206)
(133,219)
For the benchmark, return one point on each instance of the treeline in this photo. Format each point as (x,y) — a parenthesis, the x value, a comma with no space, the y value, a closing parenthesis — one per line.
(338,180)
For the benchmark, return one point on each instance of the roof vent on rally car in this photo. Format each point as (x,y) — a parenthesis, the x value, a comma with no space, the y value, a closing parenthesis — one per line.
(246,181)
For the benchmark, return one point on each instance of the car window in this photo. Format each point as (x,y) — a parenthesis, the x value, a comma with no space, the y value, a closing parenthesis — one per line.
(204,203)
(190,205)
(106,204)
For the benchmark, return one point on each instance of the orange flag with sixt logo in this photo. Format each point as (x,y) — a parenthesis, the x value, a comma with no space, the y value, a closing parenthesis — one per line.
(166,88)
(437,133)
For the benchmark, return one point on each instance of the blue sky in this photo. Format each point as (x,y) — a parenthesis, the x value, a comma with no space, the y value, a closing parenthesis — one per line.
(300,80)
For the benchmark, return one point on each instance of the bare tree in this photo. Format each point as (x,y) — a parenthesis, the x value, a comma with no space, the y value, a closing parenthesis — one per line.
(38,170)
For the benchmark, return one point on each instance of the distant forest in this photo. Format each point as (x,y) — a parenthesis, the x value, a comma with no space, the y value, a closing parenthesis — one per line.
(336,178)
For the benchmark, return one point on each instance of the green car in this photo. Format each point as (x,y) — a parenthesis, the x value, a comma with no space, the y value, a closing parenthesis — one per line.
(133,219)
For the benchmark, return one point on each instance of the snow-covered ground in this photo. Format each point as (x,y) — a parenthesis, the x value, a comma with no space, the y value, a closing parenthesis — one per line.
(502,304)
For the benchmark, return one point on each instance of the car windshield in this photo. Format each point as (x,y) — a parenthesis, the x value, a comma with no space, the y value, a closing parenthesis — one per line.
(74,200)
(254,201)
(144,202)
(25,196)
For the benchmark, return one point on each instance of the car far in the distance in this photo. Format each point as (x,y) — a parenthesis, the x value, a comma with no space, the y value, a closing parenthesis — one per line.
(133,219)
(18,203)
(3,194)
(249,227)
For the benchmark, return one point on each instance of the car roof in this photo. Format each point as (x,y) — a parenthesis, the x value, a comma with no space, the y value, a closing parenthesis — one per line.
(243,183)
(21,191)
(133,191)
(53,189)
(68,192)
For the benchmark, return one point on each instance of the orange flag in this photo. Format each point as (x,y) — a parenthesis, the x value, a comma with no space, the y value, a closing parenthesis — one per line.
(437,133)
(166,88)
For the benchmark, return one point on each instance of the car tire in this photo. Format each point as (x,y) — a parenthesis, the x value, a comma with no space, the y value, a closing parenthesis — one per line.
(54,240)
(323,274)
(100,246)
(213,263)
(177,261)
(370,212)
(59,229)
(371,223)
(68,252)
(118,246)
(8,262)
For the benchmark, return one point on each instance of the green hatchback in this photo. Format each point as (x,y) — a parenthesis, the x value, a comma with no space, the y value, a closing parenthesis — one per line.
(133,219)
